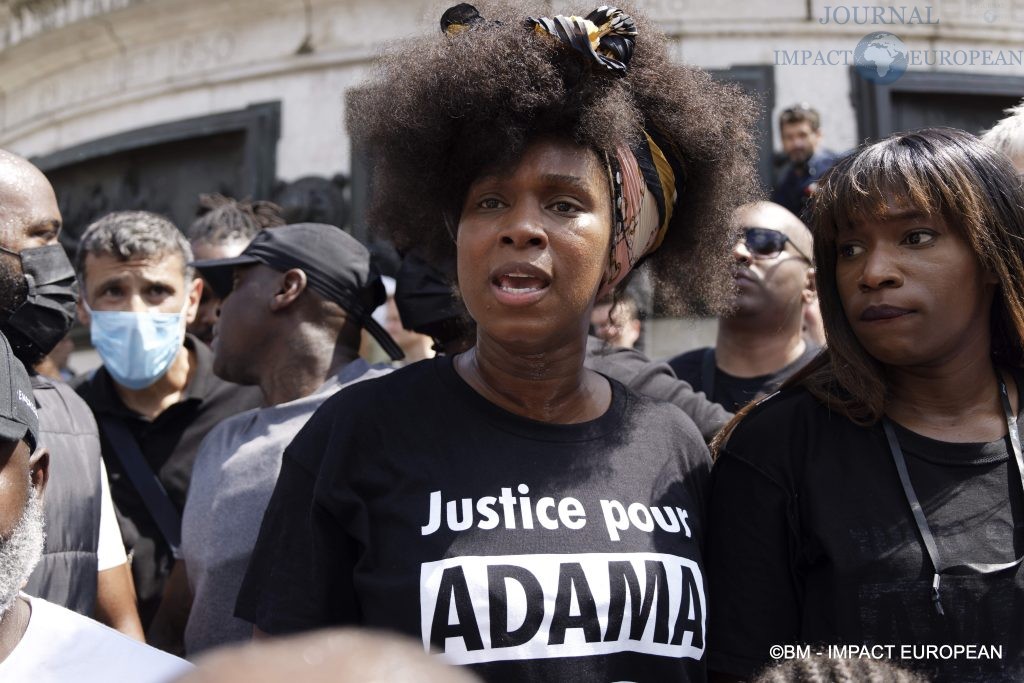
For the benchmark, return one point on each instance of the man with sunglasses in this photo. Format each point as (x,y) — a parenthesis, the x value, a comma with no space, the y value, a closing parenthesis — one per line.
(761,343)
(800,129)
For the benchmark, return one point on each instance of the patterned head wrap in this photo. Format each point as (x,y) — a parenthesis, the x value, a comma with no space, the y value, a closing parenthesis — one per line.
(645,178)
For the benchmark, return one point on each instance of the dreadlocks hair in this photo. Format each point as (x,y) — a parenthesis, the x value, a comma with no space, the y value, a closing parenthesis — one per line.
(443,109)
(939,172)
(222,219)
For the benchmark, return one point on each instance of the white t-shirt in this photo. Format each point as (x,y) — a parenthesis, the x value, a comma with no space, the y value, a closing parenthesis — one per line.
(61,646)
(110,551)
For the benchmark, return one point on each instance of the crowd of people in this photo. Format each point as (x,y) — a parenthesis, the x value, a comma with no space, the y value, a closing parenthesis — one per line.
(520,492)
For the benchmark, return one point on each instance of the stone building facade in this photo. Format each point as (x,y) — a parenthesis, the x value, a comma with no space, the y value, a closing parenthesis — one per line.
(145,103)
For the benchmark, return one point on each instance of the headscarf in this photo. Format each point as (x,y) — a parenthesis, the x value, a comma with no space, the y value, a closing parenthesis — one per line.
(643,180)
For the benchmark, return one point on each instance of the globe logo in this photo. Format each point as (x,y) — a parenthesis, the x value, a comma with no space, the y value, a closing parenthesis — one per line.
(880,58)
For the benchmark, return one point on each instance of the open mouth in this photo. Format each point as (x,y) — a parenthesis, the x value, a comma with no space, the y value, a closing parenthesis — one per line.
(519,283)
(516,283)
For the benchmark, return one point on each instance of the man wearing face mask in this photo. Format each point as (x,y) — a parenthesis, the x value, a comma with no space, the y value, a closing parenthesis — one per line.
(155,397)
(84,566)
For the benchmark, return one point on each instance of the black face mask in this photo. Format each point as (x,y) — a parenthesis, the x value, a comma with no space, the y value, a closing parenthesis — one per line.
(38,323)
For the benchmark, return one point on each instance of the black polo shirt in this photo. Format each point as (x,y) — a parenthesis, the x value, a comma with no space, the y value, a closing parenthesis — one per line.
(169,443)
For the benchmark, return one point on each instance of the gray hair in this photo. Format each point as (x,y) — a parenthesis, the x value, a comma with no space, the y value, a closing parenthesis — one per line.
(1007,136)
(131,235)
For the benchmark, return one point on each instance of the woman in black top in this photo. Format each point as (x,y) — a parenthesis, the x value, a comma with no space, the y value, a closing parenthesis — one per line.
(505,506)
(877,500)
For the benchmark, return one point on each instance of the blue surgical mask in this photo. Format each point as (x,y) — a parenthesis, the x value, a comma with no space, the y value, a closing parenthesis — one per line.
(137,348)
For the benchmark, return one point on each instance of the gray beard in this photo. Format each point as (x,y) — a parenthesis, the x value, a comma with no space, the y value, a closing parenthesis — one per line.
(21,551)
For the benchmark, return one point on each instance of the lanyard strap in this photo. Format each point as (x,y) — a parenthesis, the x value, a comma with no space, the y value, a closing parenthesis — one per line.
(918,512)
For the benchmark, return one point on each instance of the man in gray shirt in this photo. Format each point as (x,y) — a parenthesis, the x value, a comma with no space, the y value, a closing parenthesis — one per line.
(294,303)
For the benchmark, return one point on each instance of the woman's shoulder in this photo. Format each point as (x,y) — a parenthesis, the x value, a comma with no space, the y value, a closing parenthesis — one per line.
(399,387)
(352,422)
(651,410)
(664,426)
(374,403)
(791,401)
(783,425)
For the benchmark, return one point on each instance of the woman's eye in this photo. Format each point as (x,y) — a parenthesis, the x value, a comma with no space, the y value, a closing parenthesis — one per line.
(850,250)
(490,203)
(564,207)
(919,237)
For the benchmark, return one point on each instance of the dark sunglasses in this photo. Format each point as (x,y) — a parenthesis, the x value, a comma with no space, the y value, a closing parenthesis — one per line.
(767,243)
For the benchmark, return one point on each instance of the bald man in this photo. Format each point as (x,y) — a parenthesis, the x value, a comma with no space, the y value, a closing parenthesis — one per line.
(84,566)
(761,343)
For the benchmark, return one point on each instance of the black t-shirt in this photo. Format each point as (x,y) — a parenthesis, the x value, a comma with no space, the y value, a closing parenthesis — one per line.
(531,551)
(732,393)
(169,443)
(811,540)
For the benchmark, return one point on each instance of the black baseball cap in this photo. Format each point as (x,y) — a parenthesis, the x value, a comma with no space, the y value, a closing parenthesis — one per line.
(337,267)
(18,417)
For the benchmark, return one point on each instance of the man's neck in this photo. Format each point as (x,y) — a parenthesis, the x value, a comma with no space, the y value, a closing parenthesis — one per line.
(302,374)
(13,624)
(747,350)
(165,392)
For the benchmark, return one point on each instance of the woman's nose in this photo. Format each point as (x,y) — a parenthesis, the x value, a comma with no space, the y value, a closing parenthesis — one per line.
(880,269)
(523,227)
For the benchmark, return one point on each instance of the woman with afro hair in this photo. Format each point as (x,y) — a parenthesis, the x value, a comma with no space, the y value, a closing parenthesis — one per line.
(505,506)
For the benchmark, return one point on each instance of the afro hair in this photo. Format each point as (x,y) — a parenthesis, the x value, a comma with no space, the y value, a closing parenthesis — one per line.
(442,109)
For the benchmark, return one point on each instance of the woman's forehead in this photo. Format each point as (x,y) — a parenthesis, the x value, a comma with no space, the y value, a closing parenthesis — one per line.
(890,205)
(551,159)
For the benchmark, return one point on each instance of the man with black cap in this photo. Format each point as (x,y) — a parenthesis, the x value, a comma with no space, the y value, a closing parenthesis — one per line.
(293,305)
(41,641)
